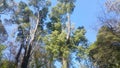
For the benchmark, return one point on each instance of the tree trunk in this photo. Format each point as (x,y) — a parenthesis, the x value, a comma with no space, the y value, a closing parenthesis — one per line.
(64,63)
(49,64)
(68,27)
(27,53)
(64,60)
(26,57)
(18,55)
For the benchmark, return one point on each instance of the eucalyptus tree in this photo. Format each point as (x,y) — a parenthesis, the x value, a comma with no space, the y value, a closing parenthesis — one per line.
(62,38)
(29,16)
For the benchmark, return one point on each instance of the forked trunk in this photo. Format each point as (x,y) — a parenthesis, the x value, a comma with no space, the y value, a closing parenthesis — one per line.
(26,58)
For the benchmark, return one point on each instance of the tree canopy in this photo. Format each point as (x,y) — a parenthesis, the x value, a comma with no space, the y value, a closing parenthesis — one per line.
(44,36)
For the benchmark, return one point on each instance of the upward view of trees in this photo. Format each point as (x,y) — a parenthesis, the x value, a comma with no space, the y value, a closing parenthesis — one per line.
(44,36)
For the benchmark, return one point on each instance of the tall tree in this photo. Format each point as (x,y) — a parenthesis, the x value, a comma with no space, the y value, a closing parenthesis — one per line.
(30,27)
(105,50)
(63,39)
(29,17)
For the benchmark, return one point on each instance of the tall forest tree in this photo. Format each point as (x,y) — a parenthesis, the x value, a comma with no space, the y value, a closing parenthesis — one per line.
(104,52)
(31,28)
(29,18)
(62,38)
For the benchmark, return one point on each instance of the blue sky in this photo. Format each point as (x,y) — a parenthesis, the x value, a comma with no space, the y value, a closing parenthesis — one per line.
(85,14)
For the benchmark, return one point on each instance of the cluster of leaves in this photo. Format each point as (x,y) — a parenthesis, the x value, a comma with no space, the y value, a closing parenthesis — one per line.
(2,47)
(105,51)
(7,64)
(56,43)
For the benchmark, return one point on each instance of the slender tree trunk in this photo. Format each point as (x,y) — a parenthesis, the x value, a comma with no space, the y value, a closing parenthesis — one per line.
(18,55)
(68,27)
(49,64)
(64,60)
(64,63)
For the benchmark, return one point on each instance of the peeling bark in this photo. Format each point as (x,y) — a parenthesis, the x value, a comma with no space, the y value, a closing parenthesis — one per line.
(27,53)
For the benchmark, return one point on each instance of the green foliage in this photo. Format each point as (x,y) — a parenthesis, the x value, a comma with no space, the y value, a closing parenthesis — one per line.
(54,42)
(58,45)
(60,11)
(30,17)
(22,5)
(105,51)
(81,52)
(57,26)
(106,35)
(39,3)
(2,47)
(79,36)
(57,41)
(7,64)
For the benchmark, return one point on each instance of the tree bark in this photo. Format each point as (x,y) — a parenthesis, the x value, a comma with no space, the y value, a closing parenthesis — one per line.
(27,53)
(18,55)
(68,27)
(64,63)
(64,60)
(26,58)
(19,52)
